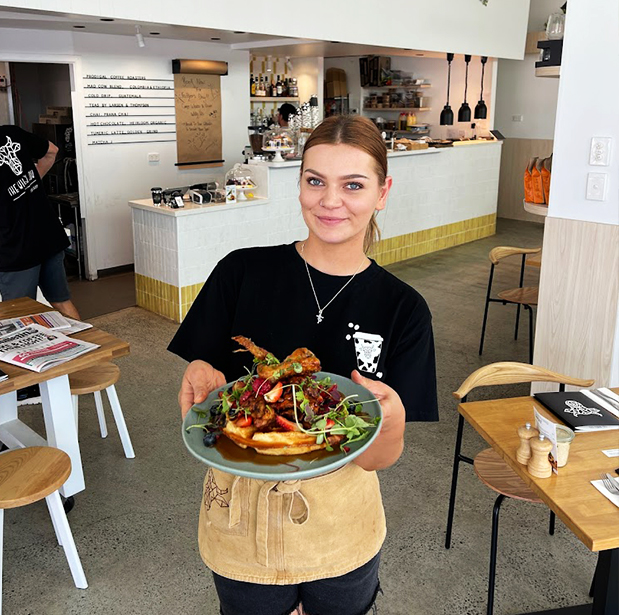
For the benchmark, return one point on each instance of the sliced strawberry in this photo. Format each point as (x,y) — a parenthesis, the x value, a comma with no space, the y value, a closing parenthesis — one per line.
(330,423)
(285,423)
(244,421)
(274,394)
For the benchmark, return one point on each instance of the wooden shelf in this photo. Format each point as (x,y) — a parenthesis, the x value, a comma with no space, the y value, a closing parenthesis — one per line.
(397,87)
(413,109)
(532,39)
(273,99)
(535,208)
(548,71)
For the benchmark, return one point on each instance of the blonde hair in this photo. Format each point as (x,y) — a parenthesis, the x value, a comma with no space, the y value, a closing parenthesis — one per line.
(361,133)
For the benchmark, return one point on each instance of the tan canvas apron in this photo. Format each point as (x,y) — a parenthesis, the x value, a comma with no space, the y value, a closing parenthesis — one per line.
(290,532)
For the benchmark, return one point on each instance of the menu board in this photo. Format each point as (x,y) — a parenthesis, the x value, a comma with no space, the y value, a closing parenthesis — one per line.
(123,109)
(198,120)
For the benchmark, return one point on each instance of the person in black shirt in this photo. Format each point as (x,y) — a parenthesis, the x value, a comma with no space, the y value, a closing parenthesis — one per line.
(325,294)
(32,239)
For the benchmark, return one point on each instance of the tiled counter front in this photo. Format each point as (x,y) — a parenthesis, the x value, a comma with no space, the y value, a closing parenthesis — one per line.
(440,198)
(439,201)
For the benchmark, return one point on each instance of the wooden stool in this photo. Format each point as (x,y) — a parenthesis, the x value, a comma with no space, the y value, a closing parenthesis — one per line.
(94,380)
(28,475)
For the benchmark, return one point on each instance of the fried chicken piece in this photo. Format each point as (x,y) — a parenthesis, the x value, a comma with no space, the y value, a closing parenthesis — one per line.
(302,362)
(262,414)
(259,353)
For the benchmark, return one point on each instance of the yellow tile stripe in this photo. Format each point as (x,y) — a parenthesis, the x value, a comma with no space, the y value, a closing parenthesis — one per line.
(403,247)
(166,300)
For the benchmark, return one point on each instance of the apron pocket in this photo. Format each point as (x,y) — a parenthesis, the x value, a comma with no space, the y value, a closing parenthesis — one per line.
(225,503)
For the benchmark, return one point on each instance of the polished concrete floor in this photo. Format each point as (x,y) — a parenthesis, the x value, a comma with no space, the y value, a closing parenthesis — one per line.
(135,525)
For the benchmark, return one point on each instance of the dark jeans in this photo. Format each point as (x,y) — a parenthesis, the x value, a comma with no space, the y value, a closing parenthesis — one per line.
(350,594)
(49,276)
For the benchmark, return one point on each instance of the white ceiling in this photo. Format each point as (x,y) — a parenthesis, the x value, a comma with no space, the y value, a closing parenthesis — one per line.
(258,44)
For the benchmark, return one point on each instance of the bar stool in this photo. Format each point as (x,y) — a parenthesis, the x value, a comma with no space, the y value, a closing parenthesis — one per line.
(28,475)
(94,380)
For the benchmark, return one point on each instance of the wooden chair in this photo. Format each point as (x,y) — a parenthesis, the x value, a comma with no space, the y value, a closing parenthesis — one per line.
(521,296)
(94,380)
(488,465)
(28,475)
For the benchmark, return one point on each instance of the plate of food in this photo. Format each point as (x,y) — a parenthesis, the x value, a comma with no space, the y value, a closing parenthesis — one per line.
(284,420)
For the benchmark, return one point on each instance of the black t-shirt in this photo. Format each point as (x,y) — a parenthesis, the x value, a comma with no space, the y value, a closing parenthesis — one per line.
(378,324)
(30,231)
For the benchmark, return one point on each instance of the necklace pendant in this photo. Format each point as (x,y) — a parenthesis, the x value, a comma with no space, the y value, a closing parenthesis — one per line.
(319,317)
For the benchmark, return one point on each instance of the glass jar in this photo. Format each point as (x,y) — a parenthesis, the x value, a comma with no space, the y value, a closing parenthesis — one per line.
(555,26)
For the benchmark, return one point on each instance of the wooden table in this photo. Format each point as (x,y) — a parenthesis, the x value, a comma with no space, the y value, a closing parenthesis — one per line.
(55,394)
(583,509)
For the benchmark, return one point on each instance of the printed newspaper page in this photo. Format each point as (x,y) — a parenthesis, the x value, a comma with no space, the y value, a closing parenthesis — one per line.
(37,348)
(49,320)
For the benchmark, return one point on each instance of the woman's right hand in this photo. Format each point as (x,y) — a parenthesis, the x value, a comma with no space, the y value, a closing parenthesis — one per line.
(199,380)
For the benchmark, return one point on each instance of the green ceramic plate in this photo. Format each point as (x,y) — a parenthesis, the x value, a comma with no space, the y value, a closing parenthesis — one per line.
(228,457)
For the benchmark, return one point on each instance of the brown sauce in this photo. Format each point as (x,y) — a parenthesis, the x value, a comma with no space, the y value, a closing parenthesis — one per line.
(232,452)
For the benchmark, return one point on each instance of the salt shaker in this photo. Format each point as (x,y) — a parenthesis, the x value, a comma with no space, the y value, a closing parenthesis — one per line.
(539,464)
(525,433)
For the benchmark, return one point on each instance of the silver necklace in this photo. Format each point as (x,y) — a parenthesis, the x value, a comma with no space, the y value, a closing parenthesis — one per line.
(319,316)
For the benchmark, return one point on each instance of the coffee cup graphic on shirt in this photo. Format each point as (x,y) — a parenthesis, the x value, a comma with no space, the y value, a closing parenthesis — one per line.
(368,347)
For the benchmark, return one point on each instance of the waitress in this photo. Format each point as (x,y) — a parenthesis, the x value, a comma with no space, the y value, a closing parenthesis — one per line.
(312,546)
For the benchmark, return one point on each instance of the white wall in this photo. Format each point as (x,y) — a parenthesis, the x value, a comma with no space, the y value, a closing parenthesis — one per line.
(461,26)
(587,107)
(310,76)
(520,92)
(114,174)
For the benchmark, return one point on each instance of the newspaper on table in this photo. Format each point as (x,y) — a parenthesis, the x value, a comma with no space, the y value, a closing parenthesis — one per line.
(50,320)
(37,348)
(75,326)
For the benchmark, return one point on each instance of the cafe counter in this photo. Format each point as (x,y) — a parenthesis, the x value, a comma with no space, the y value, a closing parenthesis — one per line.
(440,198)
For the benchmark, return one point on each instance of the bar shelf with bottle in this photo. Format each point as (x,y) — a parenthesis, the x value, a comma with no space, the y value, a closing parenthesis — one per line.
(274,99)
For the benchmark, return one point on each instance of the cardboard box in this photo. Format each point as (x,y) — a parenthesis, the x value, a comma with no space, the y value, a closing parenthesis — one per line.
(57,111)
(52,119)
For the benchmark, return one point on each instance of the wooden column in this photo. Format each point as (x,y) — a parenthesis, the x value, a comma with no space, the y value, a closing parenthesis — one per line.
(578,300)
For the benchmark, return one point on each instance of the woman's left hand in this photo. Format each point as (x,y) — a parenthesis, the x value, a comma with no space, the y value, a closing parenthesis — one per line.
(388,446)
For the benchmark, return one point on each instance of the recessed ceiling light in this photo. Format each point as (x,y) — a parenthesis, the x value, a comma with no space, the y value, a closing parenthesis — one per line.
(215,38)
(106,19)
(79,27)
(239,32)
(336,42)
(155,33)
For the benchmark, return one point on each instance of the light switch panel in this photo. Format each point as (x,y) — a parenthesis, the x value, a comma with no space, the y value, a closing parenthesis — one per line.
(596,186)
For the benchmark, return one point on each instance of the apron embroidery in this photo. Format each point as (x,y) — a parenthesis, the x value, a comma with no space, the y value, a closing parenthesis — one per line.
(212,493)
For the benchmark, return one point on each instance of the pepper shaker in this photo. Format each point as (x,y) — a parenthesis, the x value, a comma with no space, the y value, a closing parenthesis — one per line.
(539,464)
(525,433)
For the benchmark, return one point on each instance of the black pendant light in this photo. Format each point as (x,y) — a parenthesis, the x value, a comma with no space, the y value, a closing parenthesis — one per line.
(481,111)
(447,115)
(464,114)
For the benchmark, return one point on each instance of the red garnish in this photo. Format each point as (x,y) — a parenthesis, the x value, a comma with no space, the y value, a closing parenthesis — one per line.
(260,385)
(274,394)
(244,421)
(346,449)
(285,423)
(330,423)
